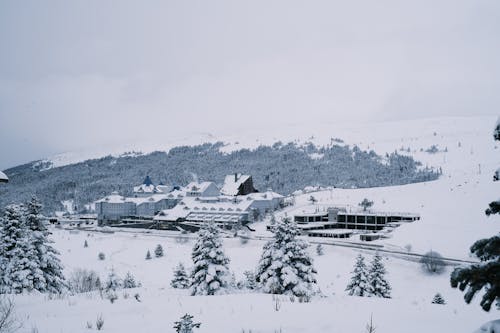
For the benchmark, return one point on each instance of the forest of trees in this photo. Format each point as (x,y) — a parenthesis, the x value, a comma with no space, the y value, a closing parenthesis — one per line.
(282,167)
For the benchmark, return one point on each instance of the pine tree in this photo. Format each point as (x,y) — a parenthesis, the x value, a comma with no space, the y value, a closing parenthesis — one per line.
(85,244)
(186,324)
(159,251)
(358,286)
(113,282)
(485,274)
(48,257)
(148,255)
(378,285)
(319,250)
(20,265)
(129,281)
(438,299)
(250,281)
(210,274)
(285,266)
(181,279)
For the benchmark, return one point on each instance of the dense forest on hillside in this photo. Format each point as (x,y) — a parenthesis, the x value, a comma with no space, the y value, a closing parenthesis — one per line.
(283,168)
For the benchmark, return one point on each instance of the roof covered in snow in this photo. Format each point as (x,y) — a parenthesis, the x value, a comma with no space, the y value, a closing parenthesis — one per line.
(198,187)
(3,177)
(232,183)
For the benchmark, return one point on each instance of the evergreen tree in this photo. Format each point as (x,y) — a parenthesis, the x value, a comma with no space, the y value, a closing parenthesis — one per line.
(378,285)
(159,251)
(186,324)
(250,281)
(485,274)
(85,244)
(285,266)
(20,269)
(113,282)
(438,299)
(319,250)
(48,257)
(181,279)
(129,281)
(359,286)
(210,274)
(365,204)
(148,255)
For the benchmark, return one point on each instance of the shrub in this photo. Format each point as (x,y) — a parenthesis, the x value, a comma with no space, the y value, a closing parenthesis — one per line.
(433,263)
(101,256)
(83,281)
(159,251)
(99,323)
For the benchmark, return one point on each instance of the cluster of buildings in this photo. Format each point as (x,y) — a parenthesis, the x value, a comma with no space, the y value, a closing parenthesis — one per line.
(236,201)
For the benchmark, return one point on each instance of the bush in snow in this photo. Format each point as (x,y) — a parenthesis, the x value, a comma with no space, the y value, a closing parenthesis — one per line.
(186,324)
(148,255)
(8,321)
(319,250)
(432,262)
(181,279)
(285,266)
(358,286)
(83,281)
(210,274)
(250,280)
(113,282)
(378,285)
(130,282)
(438,299)
(101,256)
(99,323)
(85,244)
(159,251)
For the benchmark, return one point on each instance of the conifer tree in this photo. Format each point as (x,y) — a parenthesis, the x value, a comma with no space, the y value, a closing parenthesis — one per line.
(85,244)
(378,285)
(319,250)
(438,299)
(180,279)
(484,275)
(210,274)
(129,281)
(48,257)
(250,281)
(20,269)
(285,266)
(358,286)
(186,324)
(159,251)
(148,255)
(113,282)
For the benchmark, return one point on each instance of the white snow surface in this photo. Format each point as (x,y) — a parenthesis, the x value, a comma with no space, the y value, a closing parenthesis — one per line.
(452,218)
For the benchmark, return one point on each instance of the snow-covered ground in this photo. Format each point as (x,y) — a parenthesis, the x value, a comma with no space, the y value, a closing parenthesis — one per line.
(452,218)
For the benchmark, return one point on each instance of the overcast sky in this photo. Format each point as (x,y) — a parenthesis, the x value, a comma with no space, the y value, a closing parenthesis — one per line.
(77,74)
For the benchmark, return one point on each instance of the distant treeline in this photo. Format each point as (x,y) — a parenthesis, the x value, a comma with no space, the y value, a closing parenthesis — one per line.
(283,168)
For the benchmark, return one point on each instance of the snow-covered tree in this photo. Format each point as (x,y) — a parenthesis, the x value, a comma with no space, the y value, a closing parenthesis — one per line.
(186,324)
(20,268)
(484,275)
(285,266)
(113,282)
(319,250)
(438,299)
(148,255)
(159,251)
(359,286)
(250,281)
(129,281)
(180,279)
(378,285)
(366,204)
(85,244)
(48,256)
(210,274)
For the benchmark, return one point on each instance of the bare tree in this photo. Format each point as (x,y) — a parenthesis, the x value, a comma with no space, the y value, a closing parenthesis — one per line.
(8,322)
(433,262)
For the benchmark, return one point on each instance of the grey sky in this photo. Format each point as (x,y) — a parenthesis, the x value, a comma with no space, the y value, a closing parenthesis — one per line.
(76,74)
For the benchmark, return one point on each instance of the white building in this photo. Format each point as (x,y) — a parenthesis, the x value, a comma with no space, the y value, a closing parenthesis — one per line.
(204,189)
(3,177)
